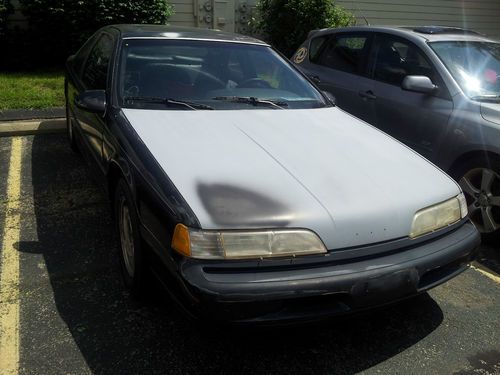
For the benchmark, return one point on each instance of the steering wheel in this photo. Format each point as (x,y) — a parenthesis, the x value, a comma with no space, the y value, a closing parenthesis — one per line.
(255,83)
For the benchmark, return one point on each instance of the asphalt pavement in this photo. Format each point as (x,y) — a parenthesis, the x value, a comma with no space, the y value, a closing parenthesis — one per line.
(75,317)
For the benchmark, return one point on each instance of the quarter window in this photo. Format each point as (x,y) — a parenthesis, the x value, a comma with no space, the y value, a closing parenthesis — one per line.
(344,53)
(315,48)
(96,68)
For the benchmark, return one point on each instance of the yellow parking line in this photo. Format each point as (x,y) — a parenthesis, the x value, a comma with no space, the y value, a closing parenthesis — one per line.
(487,274)
(9,276)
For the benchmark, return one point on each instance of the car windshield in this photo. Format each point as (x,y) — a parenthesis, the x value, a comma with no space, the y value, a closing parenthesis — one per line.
(200,75)
(474,65)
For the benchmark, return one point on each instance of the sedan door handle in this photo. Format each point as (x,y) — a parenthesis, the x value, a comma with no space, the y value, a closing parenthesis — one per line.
(315,79)
(368,95)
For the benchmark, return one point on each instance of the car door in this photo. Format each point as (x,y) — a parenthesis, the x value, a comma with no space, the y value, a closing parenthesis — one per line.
(95,77)
(417,119)
(338,65)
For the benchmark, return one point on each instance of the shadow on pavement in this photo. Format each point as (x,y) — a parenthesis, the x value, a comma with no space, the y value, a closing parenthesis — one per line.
(116,335)
(489,257)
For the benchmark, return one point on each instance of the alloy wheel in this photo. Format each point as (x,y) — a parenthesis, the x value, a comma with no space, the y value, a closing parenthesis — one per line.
(482,190)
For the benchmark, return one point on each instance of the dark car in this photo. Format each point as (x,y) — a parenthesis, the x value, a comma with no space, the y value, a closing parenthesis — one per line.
(233,180)
(437,89)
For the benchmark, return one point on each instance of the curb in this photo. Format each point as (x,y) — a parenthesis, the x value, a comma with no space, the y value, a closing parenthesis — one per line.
(29,114)
(32,127)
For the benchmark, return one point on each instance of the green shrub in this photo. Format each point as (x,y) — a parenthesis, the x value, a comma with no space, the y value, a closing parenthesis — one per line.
(286,23)
(57,28)
(5,10)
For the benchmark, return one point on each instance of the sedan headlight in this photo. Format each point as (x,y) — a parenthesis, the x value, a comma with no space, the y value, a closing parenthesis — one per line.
(240,244)
(438,216)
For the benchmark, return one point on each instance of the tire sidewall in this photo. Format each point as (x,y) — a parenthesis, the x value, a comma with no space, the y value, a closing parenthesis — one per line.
(122,192)
(70,130)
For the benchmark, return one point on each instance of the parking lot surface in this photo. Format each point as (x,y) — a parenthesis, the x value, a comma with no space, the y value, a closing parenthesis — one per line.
(64,310)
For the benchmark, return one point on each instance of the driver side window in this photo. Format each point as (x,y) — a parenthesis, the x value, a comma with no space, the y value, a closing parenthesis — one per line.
(96,68)
(396,58)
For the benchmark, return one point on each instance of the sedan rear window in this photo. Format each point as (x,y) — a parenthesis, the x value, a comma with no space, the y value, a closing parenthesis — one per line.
(212,75)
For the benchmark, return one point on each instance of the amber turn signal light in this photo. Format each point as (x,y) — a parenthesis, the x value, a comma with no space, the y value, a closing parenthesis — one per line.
(180,240)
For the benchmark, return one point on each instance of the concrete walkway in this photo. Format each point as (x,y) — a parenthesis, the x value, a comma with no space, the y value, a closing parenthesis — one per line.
(29,114)
(31,127)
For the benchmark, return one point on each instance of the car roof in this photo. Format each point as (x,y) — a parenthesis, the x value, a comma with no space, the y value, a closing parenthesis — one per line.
(428,33)
(133,31)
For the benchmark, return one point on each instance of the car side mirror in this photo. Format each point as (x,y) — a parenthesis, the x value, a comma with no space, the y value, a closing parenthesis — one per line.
(70,59)
(93,101)
(422,84)
(330,97)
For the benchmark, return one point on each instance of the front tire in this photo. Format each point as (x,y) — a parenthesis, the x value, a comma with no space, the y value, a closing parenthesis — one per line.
(70,131)
(480,181)
(127,227)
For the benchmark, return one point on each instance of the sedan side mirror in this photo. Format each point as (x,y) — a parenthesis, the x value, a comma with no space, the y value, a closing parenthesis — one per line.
(93,101)
(422,84)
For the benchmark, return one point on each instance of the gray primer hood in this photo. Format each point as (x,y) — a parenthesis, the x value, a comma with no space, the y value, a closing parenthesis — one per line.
(320,169)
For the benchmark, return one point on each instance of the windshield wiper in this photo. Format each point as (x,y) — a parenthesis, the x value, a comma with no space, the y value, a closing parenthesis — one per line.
(167,101)
(486,97)
(253,101)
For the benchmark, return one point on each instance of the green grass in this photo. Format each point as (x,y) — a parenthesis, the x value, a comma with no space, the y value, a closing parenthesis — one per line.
(33,90)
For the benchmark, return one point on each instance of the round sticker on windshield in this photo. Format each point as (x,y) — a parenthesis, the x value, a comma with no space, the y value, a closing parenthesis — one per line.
(300,55)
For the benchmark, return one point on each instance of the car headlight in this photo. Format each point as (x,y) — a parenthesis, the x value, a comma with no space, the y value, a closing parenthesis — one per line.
(438,216)
(244,244)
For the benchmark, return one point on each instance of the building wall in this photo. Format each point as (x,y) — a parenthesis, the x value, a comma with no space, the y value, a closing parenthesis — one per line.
(479,15)
(184,13)
(232,15)
(228,15)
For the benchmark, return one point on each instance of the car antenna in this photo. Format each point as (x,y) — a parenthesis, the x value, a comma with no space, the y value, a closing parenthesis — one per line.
(362,15)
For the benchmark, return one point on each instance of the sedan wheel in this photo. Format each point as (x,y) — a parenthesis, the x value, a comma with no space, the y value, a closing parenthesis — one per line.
(126,238)
(127,227)
(482,190)
(70,129)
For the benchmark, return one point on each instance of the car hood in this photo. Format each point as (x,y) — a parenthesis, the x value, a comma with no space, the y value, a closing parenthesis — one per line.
(491,112)
(320,169)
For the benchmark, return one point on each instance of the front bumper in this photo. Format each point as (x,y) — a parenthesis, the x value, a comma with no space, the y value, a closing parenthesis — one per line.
(317,287)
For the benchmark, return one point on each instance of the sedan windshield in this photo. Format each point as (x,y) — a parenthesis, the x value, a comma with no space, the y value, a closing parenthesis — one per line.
(200,75)
(474,65)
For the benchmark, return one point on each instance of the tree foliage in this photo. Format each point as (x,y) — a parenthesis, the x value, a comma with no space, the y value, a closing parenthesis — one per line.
(286,23)
(57,28)
(78,19)
(5,10)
